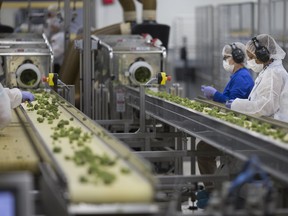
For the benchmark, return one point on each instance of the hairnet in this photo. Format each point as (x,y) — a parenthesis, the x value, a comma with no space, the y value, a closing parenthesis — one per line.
(52,10)
(227,50)
(276,52)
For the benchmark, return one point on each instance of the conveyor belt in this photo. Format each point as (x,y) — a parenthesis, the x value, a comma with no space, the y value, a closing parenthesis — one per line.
(230,138)
(262,118)
(135,185)
(15,147)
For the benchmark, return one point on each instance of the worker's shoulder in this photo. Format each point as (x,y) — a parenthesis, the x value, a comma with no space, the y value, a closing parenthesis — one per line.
(243,72)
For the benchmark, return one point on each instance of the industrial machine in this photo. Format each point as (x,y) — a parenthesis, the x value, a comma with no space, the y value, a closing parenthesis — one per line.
(25,59)
(64,174)
(27,63)
(118,61)
(165,130)
(81,168)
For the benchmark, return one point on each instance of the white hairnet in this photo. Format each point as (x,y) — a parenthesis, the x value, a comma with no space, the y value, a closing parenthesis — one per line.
(276,52)
(227,49)
(52,9)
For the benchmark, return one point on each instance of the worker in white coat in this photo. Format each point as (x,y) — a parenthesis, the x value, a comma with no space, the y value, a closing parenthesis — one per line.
(55,34)
(10,99)
(57,43)
(269,96)
(52,12)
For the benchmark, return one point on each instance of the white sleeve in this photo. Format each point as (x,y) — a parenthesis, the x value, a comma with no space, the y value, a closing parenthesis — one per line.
(248,107)
(282,113)
(5,108)
(57,44)
(15,96)
(266,101)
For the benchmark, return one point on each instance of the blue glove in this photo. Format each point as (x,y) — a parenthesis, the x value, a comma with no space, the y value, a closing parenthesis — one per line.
(208,91)
(228,103)
(27,96)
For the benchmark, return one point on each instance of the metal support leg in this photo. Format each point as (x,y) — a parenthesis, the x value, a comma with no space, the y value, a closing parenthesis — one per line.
(142,109)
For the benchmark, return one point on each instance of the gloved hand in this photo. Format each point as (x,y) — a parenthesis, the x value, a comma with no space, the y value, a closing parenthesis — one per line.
(228,103)
(27,96)
(208,91)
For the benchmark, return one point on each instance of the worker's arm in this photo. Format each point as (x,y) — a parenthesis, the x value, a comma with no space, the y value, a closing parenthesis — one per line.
(5,108)
(15,96)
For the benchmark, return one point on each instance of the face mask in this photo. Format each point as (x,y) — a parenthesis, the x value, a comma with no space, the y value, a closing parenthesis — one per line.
(254,66)
(227,67)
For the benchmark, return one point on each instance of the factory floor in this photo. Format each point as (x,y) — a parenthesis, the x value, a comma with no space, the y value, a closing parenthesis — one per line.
(186,209)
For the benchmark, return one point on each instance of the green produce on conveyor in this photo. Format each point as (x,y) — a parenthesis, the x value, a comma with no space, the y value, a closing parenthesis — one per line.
(46,106)
(241,120)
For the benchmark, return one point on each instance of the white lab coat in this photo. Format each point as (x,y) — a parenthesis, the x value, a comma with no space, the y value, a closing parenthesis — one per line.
(269,95)
(282,114)
(9,99)
(15,97)
(5,108)
(57,44)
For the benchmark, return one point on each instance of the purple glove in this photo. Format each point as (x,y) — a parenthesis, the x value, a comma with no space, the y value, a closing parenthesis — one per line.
(228,103)
(27,96)
(208,91)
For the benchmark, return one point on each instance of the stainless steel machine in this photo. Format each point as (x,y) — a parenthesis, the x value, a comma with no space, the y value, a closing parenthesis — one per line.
(164,127)
(122,67)
(118,61)
(61,186)
(25,59)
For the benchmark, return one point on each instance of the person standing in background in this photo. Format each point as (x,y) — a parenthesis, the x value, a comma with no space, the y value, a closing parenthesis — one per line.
(56,35)
(57,42)
(51,15)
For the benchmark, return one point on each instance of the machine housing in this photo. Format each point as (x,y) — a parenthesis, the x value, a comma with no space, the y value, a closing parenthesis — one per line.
(117,61)
(26,58)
